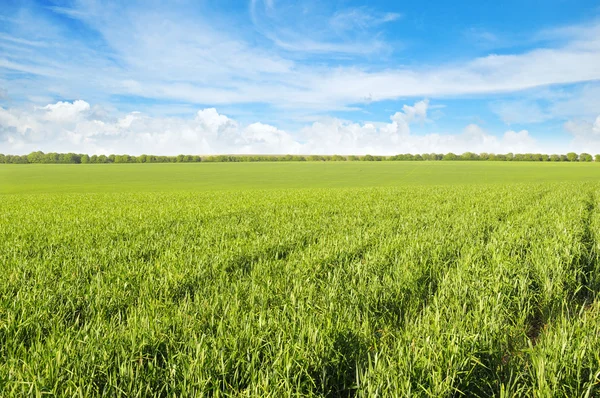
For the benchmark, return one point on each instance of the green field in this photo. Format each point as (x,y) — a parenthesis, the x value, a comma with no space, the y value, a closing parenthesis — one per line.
(56,178)
(438,279)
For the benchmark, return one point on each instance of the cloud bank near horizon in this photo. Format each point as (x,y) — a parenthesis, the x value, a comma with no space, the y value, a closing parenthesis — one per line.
(80,127)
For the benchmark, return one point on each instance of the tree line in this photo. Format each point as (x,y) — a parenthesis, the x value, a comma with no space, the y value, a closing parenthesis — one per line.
(71,158)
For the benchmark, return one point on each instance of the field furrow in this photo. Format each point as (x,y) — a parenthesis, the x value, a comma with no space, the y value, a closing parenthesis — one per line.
(486,290)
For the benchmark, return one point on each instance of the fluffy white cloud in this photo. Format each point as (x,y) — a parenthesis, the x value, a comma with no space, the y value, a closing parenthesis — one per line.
(66,112)
(68,126)
(586,134)
(78,127)
(338,136)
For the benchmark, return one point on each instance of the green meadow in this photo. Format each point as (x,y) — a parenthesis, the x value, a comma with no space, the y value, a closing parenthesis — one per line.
(324,279)
(96,178)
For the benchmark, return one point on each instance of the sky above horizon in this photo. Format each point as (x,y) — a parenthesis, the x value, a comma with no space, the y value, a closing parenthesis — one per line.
(300,77)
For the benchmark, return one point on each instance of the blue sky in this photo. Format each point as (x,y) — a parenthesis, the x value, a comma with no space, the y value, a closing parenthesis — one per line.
(274,76)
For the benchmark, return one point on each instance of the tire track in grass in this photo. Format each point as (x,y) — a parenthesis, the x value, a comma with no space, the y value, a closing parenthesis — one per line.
(589,261)
(488,231)
(476,375)
(425,288)
(585,264)
(563,358)
(545,312)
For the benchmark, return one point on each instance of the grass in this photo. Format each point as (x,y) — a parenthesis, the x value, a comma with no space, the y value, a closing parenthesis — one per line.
(470,280)
(36,178)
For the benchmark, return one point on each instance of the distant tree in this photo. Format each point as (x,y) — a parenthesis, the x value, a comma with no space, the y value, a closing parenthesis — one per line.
(35,157)
(16,159)
(469,156)
(40,157)
(124,159)
(450,156)
(51,157)
(2,158)
(585,157)
(68,158)
(572,157)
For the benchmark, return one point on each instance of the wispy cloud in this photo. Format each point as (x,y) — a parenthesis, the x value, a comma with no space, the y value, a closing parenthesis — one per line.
(520,112)
(361,18)
(550,103)
(308,28)
(164,54)
(30,43)
(70,12)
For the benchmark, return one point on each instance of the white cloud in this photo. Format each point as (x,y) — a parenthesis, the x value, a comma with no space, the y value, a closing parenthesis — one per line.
(584,130)
(520,111)
(336,136)
(583,102)
(559,103)
(518,142)
(79,127)
(66,112)
(418,112)
(312,28)
(66,126)
(360,18)
(482,37)
(201,60)
(586,135)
